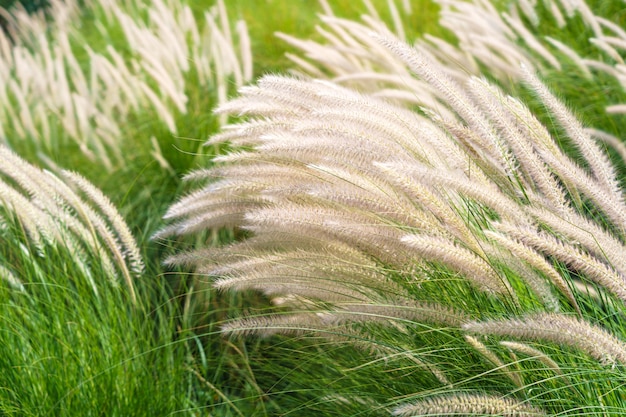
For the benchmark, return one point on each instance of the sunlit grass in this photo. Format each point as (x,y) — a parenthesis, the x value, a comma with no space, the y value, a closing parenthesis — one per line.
(67,351)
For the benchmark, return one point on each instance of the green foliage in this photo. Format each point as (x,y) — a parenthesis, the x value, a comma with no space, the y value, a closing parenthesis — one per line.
(67,351)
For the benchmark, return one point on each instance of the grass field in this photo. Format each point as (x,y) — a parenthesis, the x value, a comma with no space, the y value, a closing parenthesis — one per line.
(307,282)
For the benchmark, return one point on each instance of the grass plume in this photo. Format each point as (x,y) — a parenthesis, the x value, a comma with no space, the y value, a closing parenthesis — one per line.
(473,186)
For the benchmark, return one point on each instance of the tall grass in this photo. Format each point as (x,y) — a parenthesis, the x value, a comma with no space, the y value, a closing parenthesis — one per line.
(92,323)
(431,229)
(445,247)
(79,335)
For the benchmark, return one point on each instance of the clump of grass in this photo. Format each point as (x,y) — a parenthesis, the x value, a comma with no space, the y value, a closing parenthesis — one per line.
(408,202)
(78,335)
(92,322)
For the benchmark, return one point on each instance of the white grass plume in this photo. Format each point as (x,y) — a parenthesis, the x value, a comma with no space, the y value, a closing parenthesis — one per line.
(468,184)
(468,404)
(533,353)
(495,360)
(304,179)
(558,329)
(40,72)
(53,213)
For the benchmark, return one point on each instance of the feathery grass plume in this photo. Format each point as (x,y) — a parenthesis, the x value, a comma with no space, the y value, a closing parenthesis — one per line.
(342,274)
(495,104)
(476,269)
(475,186)
(468,404)
(40,71)
(404,309)
(559,329)
(593,269)
(572,55)
(285,324)
(583,232)
(483,37)
(348,209)
(533,353)
(610,200)
(600,166)
(501,41)
(10,278)
(54,214)
(609,140)
(321,324)
(122,244)
(360,211)
(536,261)
(333,320)
(495,360)
(353,58)
(486,39)
(497,42)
